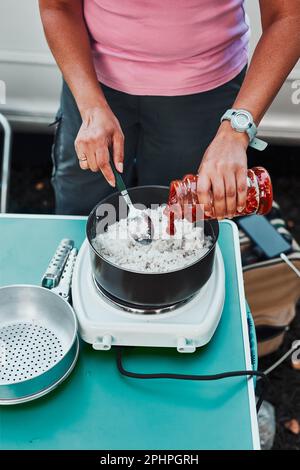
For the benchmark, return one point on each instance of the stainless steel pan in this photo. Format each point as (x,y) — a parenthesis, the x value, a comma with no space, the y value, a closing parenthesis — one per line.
(38,333)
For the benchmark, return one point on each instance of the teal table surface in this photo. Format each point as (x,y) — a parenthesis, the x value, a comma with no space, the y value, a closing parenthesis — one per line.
(96,407)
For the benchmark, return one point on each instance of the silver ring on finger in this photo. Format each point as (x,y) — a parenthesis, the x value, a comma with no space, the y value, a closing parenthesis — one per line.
(83,158)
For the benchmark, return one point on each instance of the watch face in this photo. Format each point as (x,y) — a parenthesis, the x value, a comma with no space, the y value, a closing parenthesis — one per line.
(242,120)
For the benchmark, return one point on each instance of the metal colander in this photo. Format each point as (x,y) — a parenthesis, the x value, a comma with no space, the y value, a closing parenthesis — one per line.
(38,337)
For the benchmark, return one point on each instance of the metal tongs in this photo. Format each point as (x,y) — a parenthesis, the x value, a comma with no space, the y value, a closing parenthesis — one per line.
(58,275)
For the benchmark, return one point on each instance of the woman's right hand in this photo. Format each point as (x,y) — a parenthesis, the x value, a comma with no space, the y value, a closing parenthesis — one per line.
(99,132)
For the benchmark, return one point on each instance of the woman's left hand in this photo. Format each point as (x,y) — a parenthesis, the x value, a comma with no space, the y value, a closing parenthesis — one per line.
(222,180)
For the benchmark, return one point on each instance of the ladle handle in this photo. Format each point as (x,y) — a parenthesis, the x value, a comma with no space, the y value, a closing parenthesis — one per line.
(120,184)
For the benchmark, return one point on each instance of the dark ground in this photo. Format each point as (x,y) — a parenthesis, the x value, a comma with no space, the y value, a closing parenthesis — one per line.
(31,192)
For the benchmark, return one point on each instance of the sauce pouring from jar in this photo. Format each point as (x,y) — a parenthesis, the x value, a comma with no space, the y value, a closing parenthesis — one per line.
(183,199)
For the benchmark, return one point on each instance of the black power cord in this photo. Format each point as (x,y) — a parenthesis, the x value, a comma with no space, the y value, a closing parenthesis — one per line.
(223,375)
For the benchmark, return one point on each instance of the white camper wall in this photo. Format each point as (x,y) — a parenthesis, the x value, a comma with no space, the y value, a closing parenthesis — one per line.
(26,64)
(33,80)
(282,122)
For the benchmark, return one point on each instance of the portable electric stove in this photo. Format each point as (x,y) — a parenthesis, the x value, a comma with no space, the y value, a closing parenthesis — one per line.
(105,321)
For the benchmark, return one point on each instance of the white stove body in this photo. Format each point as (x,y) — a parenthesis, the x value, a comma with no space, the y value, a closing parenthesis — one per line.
(103,324)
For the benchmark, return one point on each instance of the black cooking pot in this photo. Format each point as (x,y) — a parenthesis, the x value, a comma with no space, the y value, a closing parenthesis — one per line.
(142,289)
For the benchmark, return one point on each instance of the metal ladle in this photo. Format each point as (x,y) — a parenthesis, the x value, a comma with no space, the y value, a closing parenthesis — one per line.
(140,226)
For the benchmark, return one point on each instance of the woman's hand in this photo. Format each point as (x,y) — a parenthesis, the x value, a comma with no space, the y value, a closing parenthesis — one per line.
(222,180)
(100,131)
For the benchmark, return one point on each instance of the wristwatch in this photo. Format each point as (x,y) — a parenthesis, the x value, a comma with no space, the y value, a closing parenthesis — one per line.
(242,121)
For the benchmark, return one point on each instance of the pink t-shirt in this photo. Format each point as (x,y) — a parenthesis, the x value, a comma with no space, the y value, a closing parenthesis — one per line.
(167,47)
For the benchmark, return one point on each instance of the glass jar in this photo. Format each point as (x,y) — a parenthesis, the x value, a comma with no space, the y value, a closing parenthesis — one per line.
(183,197)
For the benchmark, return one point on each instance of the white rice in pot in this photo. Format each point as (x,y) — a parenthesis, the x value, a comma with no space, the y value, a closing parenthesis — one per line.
(165,252)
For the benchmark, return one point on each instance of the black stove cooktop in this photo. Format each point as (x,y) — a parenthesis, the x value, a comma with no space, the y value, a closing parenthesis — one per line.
(136,308)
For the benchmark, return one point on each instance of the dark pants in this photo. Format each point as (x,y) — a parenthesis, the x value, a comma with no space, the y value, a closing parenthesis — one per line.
(165,138)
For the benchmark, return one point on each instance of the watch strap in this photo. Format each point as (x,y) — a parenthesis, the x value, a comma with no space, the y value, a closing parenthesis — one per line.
(258,144)
(228,114)
(254,142)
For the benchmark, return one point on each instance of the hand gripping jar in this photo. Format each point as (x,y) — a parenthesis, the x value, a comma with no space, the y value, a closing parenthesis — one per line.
(183,195)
